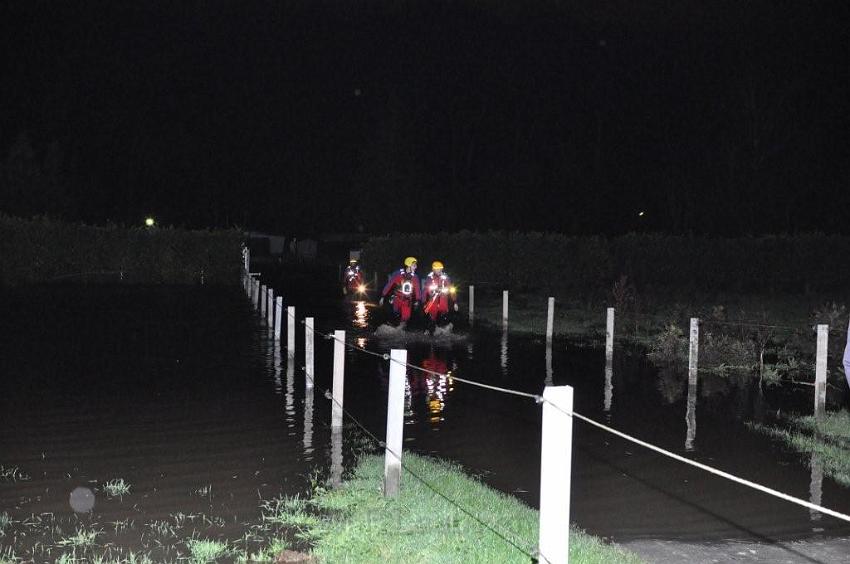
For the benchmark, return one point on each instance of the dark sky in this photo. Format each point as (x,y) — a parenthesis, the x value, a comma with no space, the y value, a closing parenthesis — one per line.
(726,117)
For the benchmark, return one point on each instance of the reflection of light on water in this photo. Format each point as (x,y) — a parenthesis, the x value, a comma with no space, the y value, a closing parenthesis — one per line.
(361,315)
(290,393)
(278,386)
(438,387)
(816,488)
(362,342)
(609,388)
(549,372)
(308,423)
(691,416)
(505,352)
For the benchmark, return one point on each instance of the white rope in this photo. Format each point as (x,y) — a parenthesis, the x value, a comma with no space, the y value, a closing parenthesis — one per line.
(715,471)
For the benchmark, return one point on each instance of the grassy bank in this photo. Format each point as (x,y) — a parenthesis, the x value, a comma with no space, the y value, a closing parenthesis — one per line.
(422,526)
(43,250)
(352,524)
(827,441)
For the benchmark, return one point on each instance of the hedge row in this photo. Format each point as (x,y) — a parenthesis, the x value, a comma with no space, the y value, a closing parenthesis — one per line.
(41,250)
(561,264)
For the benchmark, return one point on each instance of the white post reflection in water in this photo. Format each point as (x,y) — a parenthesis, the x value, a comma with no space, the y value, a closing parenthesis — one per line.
(505,351)
(277,366)
(691,414)
(608,397)
(816,488)
(308,423)
(290,393)
(549,374)
(336,456)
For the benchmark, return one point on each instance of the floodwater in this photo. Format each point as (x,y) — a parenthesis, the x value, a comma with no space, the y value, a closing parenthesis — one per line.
(185,394)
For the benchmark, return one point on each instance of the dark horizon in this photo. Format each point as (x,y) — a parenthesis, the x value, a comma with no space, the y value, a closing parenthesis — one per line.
(298,117)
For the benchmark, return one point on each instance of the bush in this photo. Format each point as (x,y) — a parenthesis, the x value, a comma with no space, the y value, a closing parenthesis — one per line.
(42,250)
(562,265)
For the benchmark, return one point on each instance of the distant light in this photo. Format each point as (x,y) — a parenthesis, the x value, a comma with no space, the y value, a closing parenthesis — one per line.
(640,214)
(149,221)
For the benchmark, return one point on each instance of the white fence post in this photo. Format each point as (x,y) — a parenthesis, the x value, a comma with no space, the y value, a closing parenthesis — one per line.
(309,358)
(395,422)
(270,308)
(693,351)
(471,304)
(339,378)
(278,316)
(820,371)
(336,456)
(550,320)
(505,307)
(609,338)
(255,295)
(555,474)
(263,300)
(290,331)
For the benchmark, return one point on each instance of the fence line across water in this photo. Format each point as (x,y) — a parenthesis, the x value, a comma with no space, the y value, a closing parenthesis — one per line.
(557,427)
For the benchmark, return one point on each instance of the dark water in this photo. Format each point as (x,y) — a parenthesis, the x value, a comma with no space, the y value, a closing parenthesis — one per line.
(183,393)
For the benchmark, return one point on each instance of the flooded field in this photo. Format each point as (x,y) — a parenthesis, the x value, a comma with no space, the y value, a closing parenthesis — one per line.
(183,394)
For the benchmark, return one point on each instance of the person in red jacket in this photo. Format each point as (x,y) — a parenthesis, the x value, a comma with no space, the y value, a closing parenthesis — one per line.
(438,295)
(403,290)
(353,279)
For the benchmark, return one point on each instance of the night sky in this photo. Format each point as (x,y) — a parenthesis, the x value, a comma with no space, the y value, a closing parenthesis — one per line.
(721,118)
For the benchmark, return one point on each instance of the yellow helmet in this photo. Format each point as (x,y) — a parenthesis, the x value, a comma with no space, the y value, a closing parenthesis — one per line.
(436,265)
(409,261)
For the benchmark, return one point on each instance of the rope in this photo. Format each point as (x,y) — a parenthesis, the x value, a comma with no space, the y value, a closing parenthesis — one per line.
(707,468)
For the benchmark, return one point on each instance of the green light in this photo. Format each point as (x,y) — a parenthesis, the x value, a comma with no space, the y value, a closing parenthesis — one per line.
(149,221)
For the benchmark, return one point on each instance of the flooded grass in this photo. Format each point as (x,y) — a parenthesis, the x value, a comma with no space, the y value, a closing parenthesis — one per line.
(12,474)
(116,488)
(422,526)
(828,438)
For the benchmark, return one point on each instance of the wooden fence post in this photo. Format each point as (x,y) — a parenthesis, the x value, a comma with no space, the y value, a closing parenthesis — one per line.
(309,358)
(693,351)
(820,371)
(270,308)
(555,474)
(339,378)
(471,305)
(550,321)
(395,422)
(609,338)
(290,331)
(278,316)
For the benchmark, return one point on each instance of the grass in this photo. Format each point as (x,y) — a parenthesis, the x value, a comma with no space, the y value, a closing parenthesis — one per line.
(829,439)
(206,550)
(7,556)
(12,474)
(82,538)
(5,521)
(289,511)
(116,488)
(421,526)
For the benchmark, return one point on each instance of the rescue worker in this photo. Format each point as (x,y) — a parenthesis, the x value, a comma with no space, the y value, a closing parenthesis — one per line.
(403,290)
(352,278)
(438,295)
